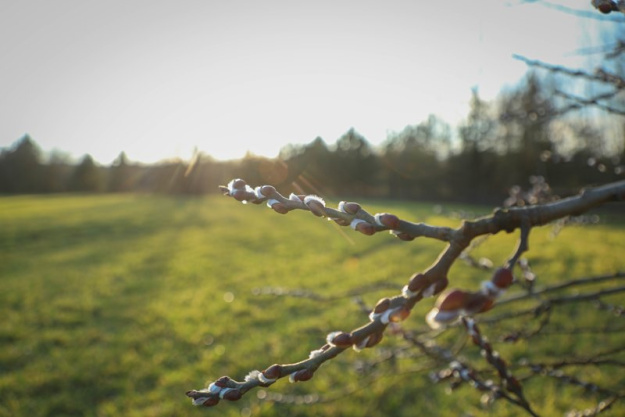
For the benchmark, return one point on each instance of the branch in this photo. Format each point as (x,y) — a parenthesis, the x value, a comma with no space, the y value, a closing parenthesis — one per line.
(600,75)
(420,285)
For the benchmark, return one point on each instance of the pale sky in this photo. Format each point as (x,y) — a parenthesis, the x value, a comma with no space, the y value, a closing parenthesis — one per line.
(158,79)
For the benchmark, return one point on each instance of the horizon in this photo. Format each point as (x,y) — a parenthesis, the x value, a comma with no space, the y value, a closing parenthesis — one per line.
(159,82)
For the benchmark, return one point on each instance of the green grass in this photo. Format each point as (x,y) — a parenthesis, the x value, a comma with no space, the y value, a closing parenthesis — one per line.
(117,304)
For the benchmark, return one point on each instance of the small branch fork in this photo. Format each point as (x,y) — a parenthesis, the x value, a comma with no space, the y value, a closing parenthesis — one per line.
(432,281)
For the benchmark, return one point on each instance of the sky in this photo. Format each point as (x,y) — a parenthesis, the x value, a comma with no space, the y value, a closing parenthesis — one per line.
(160,79)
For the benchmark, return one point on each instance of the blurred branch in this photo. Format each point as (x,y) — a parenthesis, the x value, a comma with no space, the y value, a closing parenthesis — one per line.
(581,102)
(600,75)
(576,12)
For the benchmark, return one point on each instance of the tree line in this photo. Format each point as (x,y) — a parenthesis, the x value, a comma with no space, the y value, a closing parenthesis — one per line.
(520,134)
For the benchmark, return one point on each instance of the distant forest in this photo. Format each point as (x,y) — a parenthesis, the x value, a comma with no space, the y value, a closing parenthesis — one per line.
(519,136)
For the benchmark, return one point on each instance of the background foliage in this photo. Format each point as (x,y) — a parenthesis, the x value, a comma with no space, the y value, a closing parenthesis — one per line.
(524,133)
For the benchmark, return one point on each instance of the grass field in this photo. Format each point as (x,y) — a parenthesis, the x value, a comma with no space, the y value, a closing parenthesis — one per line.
(115,305)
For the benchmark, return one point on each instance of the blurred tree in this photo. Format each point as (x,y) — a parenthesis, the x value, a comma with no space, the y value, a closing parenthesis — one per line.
(120,175)
(354,163)
(525,115)
(473,168)
(87,177)
(57,171)
(413,159)
(20,168)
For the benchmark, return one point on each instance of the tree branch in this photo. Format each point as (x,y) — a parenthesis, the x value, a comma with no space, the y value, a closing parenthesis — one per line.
(420,285)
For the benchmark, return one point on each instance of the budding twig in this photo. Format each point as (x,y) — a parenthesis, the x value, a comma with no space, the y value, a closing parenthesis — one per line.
(430,282)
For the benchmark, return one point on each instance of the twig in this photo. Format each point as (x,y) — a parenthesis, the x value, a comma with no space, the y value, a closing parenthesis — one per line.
(428,283)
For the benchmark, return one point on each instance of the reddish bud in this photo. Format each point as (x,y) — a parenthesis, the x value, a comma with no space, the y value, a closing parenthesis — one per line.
(351,208)
(238,184)
(342,340)
(240,195)
(302,375)
(389,220)
(605,7)
(233,395)
(211,401)
(417,282)
(268,190)
(279,208)
(478,303)
(453,300)
(382,305)
(316,208)
(374,339)
(502,278)
(222,382)
(365,228)
(273,372)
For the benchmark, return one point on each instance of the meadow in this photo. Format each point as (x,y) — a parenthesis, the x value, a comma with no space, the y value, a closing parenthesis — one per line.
(116,305)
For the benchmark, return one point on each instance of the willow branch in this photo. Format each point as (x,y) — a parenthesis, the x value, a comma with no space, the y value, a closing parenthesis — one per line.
(420,285)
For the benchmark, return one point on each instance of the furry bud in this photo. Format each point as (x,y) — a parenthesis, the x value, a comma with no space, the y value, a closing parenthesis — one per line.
(232,395)
(349,208)
(211,401)
(417,282)
(273,372)
(387,220)
(301,375)
(340,339)
(382,305)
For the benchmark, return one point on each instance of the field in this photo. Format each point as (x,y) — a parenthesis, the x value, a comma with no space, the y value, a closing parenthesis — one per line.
(116,305)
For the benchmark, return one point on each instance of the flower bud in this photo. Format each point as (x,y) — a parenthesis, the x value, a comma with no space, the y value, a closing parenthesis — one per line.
(362,227)
(340,339)
(502,278)
(231,394)
(417,282)
(382,305)
(239,195)
(315,204)
(301,375)
(452,300)
(268,190)
(374,339)
(387,220)
(278,207)
(349,208)
(211,401)
(273,372)
(222,381)
(478,303)
(237,184)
